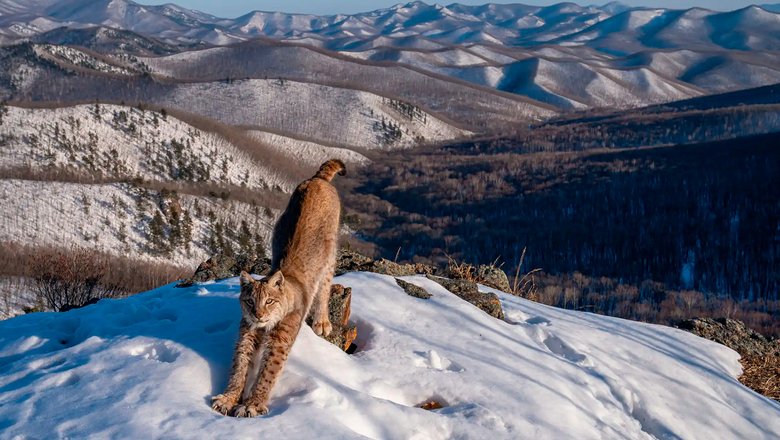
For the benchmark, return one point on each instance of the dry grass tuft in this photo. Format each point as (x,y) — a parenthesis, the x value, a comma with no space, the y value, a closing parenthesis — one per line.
(761,373)
(524,284)
(462,270)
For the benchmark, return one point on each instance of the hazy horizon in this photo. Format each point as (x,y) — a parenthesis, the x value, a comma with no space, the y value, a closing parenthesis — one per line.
(236,8)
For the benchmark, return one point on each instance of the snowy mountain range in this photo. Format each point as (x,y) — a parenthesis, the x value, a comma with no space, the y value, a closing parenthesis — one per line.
(619,57)
(416,24)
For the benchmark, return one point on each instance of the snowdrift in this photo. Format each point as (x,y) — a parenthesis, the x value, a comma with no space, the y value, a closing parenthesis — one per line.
(146,367)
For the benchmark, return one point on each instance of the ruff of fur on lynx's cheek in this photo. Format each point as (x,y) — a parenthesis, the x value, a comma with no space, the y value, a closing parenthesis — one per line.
(304,244)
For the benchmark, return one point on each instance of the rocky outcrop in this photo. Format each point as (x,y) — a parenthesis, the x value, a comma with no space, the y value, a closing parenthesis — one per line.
(468,291)
(760,356)
(349,261)
(733,334)
(222,266)
(494,277)
(431,405)
(412,290)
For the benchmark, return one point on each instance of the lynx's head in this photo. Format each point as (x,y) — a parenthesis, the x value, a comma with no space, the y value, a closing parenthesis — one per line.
(263,303)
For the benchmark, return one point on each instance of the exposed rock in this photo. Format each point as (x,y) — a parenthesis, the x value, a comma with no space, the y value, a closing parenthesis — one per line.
(468,291)
(251,264)
(349,261)
(412,290)
(430,405)
(222,266)
(339,309)
(388,267)
(760,356)
(494,277)
(733,334)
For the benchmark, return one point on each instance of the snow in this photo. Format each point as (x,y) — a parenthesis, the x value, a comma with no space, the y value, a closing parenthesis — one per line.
(80,59)
(329,115)
(146,367)
(14,296)
(109,218)
(306,152)
(126,142)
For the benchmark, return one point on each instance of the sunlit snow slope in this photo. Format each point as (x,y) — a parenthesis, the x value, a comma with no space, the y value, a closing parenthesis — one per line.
(146,366)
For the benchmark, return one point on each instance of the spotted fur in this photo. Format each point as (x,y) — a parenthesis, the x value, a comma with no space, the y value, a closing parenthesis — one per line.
(273,309)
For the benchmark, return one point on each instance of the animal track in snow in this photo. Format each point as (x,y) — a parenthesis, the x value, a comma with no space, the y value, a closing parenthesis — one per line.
(217,326)
(478,414)
(538,320)
(167,315)
(68,379)
(562,349)
(157,351)
(432,359)
(554,344)
(46,364)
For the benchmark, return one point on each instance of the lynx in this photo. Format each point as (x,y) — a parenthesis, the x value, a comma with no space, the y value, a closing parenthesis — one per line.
(273,309)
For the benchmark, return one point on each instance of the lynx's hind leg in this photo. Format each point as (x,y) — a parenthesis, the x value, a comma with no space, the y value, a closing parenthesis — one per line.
(322,325)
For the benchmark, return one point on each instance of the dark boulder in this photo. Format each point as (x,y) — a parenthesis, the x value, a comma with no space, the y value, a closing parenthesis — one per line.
(222,266)
(350,261)
(494,277)
(468,291)
(412,290)
(733,334)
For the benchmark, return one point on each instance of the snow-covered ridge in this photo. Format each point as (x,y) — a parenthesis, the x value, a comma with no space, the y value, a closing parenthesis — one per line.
(127,142)
(146,366)
(331,115)
(117,219)
(306,152)
(81,59)
(611,51)
(503,24)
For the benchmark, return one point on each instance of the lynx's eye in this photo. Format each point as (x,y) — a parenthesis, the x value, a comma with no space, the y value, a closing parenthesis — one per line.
(250,303)
(270,301)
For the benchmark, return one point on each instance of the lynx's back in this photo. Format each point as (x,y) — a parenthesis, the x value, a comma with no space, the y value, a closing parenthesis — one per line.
(306,235)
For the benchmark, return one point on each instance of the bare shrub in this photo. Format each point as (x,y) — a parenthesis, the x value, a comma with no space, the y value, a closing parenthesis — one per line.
(73,276)
(64,279)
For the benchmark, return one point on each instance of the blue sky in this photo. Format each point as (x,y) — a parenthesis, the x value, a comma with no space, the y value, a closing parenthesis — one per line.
(235,8)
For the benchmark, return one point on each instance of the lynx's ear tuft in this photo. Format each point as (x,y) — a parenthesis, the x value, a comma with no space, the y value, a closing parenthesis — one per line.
(246,279)
(277,279)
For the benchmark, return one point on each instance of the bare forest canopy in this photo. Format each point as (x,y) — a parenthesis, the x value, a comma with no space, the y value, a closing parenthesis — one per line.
(702,217)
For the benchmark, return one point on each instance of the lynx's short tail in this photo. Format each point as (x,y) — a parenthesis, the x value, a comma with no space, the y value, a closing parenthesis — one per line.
(330,169)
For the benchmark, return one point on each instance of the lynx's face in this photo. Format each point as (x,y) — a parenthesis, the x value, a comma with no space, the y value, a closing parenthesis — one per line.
(262,302)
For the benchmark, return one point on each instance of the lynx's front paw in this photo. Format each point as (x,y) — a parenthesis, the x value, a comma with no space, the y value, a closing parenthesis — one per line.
(223,404)
(322,327)
(250,410)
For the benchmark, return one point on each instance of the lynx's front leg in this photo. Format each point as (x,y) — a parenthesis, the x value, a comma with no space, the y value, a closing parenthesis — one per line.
(280,341)
(321,324)
(248,341)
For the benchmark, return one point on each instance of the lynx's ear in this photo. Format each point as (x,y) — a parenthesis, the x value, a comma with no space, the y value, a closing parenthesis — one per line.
(277,279)
(246,279)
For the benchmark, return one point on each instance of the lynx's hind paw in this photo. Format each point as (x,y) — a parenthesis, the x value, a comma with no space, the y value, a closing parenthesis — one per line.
(322,328)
